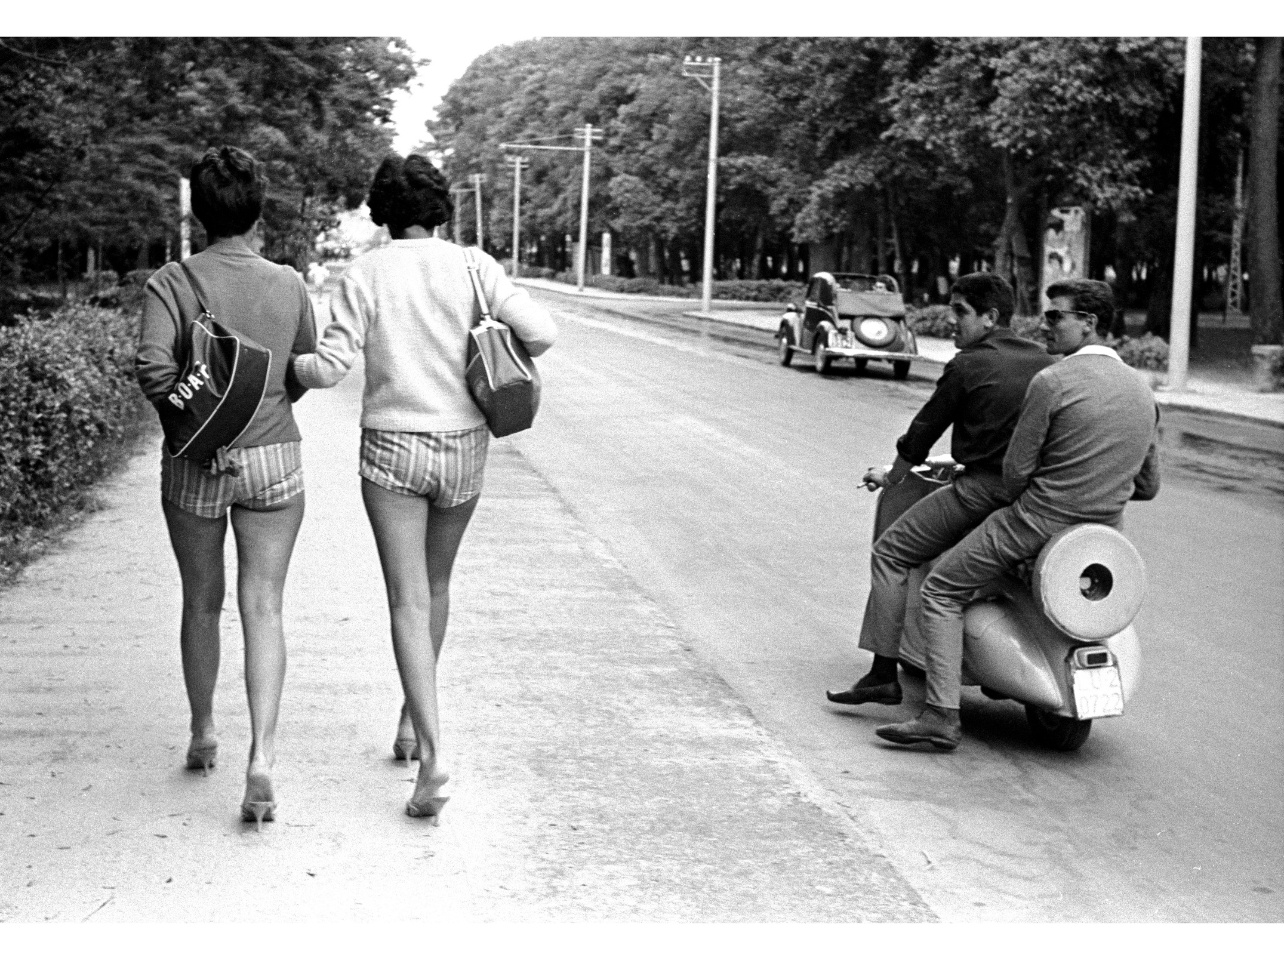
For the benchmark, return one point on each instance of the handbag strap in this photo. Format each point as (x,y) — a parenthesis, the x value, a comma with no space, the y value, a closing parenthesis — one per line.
(191,282)
(474,274)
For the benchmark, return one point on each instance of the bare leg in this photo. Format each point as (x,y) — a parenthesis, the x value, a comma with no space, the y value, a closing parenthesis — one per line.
(417,549)
(198,547)
(264,543)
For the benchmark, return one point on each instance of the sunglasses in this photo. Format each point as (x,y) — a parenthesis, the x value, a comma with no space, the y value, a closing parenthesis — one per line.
(1053,317)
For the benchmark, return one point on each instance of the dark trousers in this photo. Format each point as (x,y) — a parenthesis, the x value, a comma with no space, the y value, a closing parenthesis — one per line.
(922,533)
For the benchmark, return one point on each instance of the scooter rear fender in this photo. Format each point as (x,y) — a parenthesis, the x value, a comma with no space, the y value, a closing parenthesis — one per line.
(1010,647)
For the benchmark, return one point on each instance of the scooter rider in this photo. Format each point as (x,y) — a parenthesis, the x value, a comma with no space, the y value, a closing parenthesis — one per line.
(1085,444)
(979,394)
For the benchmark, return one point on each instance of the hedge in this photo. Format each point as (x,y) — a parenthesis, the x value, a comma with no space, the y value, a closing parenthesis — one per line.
(69,408)
(757,291)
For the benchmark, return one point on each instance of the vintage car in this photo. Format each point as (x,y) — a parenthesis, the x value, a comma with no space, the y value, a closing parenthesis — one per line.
(849,315)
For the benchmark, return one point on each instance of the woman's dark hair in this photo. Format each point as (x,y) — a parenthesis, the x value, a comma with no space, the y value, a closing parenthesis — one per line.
(984,291)
(1090,296)
(228,186)
(409,192)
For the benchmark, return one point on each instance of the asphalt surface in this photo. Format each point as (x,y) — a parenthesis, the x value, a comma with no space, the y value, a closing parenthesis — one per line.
(727,488)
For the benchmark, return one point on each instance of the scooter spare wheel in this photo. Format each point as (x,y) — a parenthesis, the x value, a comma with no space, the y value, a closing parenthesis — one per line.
(1090,581)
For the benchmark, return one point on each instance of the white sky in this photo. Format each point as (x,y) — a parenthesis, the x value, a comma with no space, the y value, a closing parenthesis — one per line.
(450,54)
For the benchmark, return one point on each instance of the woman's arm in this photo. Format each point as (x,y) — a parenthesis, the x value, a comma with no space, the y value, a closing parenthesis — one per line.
(341,341)
(305,341)
(155,363)
(511,304)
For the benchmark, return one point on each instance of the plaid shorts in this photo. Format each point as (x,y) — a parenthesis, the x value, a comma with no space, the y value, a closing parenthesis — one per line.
(268,475)
(447,468)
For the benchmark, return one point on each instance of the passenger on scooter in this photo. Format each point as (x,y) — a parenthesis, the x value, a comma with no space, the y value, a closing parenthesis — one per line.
(1085,444)
(979,394)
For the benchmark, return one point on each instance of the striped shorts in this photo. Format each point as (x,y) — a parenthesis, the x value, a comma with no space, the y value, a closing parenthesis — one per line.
(267,475)
(447,468)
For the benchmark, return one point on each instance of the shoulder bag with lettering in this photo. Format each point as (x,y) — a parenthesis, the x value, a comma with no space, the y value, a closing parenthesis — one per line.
(223,381)
(501,374)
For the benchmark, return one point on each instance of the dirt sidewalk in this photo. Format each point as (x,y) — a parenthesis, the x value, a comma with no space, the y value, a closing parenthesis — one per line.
(600,770)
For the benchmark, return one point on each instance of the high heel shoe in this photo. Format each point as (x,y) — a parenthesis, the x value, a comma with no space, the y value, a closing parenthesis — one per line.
(259,804)
(406,748)
(428,806)
(201,757)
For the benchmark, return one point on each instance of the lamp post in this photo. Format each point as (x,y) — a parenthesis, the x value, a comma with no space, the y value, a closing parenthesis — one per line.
(589,135)
(1184,254)
(701,69)
(516,162)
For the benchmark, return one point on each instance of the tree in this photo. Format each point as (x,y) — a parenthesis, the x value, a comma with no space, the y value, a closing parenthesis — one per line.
(94,133)
(1264,143)
(1039,118)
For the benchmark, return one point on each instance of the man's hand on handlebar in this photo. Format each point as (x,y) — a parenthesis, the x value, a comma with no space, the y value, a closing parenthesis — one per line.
(876,477)
(888,476)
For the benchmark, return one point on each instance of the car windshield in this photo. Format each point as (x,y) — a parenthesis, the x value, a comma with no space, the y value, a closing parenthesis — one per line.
(860,283)
(857,295)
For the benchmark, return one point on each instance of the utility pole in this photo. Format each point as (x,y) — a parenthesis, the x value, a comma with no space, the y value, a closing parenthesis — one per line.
(455,194)
(584,191)
(700,69)
(1235,276)
(589,135)
(1184,254)
(477,182)
(184,218)
(517,162)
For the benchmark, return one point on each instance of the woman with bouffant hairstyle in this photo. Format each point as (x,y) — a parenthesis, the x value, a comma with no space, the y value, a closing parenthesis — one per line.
(409,307)
(257,480)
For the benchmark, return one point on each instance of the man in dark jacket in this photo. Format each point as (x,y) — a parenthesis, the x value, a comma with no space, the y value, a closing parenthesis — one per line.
(979,395)
(1085,445)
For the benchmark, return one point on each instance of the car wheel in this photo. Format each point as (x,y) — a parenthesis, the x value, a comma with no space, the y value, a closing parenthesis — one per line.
(876,332)
(784,344)
(1057,732)
(821,359)
(900,369)
(861,363)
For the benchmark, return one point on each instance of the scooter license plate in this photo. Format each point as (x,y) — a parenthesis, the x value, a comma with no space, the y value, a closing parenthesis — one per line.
(1098,692)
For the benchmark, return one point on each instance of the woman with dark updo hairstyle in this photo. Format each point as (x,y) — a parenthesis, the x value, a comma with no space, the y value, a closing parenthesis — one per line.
(257,480)
(409,307)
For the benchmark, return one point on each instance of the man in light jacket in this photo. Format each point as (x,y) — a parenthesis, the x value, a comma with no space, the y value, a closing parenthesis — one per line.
(1085,444)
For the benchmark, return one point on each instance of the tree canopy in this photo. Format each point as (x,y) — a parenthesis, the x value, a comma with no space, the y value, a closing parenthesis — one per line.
(94,134)
(896,155)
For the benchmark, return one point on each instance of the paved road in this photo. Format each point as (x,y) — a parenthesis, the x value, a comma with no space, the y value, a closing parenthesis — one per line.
(725,484)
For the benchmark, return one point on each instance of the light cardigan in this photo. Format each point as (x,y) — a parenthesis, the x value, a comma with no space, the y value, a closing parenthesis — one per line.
(409,307)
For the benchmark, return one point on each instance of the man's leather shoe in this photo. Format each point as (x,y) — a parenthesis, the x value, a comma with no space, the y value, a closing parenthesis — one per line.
(933,726)
(862,692)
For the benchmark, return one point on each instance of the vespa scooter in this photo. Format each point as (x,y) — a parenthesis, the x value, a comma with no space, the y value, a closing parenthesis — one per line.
(1055,635)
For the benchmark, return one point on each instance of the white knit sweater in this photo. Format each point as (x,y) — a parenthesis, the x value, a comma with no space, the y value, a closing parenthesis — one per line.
(409,306)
